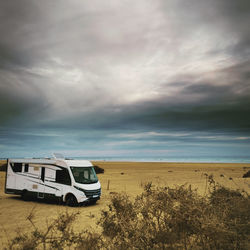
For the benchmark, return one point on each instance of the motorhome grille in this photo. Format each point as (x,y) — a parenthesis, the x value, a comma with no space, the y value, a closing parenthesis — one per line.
(90,193)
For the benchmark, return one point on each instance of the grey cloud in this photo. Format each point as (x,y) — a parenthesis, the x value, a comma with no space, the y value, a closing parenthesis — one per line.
(227,117)
(95,66)
(224,20)
(11,58)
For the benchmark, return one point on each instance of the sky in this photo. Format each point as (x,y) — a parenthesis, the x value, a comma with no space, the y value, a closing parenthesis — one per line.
(162,78)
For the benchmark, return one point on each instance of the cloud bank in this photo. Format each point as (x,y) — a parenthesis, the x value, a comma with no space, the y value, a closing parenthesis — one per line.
(106,68)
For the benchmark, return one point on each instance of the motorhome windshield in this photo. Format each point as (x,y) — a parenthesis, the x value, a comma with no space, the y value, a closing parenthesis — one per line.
(84,175)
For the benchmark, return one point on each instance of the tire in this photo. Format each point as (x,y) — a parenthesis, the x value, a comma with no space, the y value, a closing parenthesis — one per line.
(25,195)
(71,200)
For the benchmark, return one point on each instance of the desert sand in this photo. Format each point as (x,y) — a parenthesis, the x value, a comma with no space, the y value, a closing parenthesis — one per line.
(128,177)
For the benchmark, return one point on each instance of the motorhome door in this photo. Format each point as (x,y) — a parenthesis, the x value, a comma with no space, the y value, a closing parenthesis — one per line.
(41,187)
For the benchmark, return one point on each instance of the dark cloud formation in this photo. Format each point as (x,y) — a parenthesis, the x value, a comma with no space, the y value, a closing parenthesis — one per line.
(106,68)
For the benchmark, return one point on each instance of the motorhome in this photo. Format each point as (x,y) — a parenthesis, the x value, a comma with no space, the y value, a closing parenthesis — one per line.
(71,181)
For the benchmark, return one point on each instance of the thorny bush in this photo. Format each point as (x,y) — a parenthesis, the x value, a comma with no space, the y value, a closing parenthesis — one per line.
(178,218)
(59,234)
(159,218)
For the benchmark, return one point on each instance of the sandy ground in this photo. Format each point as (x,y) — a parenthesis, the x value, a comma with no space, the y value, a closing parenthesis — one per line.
(128,177)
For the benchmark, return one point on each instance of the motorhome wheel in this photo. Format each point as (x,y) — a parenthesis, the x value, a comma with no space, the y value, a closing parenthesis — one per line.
(71,200)
(25,195)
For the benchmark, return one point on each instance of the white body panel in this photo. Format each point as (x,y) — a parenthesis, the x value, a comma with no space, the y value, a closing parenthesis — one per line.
(49,177)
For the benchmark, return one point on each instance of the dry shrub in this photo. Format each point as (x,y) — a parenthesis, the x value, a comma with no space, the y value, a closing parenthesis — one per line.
(233,209)
(98,169)
(246,175)
(59,234)
(159,218)
(3,167)
(178,218)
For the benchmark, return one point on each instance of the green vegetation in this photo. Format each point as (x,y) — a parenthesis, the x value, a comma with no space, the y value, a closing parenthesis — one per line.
(159,218)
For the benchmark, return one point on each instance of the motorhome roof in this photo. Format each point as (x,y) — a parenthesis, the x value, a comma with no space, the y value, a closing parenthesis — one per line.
(75,163)
(78,163)
(35,161)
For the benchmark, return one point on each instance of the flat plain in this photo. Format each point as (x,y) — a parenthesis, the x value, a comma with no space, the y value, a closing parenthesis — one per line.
(126,177)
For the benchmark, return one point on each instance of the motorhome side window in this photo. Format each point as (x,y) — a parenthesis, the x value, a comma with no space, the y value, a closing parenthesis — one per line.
(16,167)
(63,177)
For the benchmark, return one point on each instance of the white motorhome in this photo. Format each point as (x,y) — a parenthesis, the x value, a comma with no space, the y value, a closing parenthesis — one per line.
(71,181)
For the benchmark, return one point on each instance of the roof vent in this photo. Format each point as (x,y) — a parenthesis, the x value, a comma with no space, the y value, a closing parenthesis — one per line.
(58,156)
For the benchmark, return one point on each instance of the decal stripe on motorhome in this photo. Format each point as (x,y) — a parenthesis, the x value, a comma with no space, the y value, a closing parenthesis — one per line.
(45,185)
(27,175)
(37,177)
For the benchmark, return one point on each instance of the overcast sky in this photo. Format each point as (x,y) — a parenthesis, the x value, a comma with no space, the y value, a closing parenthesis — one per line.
(125,78)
